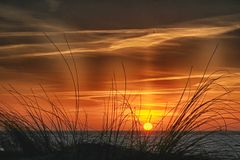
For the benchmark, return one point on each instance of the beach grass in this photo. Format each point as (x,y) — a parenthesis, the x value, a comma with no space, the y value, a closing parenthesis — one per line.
(46,130)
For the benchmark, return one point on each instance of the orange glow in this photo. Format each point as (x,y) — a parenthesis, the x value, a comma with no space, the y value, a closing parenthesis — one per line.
(148,126)
(149,115)
(154,59)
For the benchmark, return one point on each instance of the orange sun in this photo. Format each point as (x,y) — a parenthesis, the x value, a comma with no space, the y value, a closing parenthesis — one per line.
(147,126)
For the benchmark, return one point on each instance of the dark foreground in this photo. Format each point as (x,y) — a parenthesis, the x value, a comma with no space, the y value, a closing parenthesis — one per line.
(98,152)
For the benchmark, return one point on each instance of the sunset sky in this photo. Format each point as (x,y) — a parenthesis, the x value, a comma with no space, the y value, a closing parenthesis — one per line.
(157,41)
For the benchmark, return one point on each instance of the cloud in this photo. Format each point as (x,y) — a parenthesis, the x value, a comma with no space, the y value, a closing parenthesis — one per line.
(108,43)
(222,20)
(168,49)
(161,36)
(17,19)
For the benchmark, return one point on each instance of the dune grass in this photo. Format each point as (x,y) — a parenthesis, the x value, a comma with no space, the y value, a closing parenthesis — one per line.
(46,128)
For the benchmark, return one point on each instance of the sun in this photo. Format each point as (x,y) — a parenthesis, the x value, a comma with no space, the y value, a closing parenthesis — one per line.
(147,126)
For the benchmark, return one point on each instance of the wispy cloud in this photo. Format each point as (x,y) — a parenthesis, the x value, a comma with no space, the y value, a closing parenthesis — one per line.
(111,43)
(19,19)
(161,36)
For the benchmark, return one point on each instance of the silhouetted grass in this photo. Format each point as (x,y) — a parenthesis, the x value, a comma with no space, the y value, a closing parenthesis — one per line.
(177,128)
(46,130)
